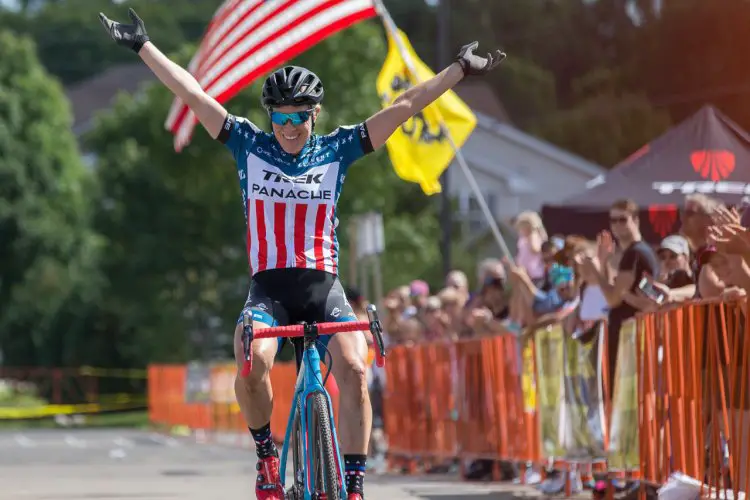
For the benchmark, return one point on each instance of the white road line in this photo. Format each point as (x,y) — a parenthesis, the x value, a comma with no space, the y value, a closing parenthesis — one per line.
(23,441)
(164,440)
(124,443)
(75,442)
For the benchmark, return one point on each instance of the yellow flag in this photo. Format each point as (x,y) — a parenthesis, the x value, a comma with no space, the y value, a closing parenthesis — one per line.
(419,149)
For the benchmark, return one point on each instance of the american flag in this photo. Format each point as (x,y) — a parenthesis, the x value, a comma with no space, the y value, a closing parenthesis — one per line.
(248,38)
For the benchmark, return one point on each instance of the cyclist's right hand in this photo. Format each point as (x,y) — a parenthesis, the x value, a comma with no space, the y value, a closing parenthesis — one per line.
(132,36)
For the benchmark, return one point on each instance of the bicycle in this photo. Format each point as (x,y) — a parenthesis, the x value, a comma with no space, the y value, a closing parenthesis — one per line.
(311,401)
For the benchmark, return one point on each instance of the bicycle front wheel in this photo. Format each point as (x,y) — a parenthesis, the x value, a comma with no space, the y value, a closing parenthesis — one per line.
(326,470)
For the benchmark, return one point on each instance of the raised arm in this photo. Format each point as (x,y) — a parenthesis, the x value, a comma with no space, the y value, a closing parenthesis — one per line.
(384,123)
(209,112)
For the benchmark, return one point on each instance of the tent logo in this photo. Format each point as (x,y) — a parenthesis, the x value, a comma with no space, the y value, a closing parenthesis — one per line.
(662,218)
(715,164)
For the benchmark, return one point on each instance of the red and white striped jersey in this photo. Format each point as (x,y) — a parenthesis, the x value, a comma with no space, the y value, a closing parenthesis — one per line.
(290,200)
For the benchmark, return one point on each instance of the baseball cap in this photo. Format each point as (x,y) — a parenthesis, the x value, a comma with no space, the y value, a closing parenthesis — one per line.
(419,288)
(676,244)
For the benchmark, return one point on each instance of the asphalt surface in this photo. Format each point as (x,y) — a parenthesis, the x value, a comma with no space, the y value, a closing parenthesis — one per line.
(136,465)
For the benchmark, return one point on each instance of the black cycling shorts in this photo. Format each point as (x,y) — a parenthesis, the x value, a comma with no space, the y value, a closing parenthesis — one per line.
(280,297)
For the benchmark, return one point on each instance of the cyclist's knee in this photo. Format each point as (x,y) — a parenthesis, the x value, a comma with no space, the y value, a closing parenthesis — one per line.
(352,371)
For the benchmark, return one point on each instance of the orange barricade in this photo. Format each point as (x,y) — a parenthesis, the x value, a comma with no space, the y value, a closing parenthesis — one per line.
(464,400)
(682,399)
(693,394)
(219,413)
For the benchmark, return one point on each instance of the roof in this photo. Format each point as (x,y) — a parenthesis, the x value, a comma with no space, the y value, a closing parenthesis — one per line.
(539,146)
(98,93)
(706,153)
(479,95)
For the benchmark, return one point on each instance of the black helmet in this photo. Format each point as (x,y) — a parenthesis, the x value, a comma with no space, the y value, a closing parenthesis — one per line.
(292,86)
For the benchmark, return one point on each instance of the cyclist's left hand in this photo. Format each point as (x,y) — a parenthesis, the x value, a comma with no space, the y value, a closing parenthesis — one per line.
(132,36)
(473,64)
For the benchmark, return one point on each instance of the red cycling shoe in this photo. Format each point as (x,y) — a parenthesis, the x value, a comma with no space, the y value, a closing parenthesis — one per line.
(268,484)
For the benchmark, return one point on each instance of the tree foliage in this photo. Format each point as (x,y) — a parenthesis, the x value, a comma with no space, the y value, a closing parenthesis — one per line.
(48,255)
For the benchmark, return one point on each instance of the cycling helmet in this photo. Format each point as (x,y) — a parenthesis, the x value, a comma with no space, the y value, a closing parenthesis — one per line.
(292,86)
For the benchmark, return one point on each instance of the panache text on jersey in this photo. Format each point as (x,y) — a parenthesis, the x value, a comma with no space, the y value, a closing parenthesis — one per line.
(303,187)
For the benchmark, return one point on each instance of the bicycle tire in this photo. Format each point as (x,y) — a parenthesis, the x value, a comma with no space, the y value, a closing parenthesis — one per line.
(323,446)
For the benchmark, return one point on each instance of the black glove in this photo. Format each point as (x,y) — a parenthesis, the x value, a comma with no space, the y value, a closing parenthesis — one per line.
(132,36)
(473,64)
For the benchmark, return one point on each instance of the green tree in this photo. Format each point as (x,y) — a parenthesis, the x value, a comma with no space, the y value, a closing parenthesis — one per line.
(48,255)
(690,55)
(72,27)
(175,256)
(605,128)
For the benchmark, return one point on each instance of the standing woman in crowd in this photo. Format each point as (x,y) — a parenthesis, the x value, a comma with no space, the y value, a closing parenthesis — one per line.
(531,235)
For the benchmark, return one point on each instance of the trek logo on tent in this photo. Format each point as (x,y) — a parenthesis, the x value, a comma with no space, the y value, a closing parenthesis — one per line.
(715,165)
(662,218)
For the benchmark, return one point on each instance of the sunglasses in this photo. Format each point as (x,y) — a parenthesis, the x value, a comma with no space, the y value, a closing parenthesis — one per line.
(297,118)
(622,219)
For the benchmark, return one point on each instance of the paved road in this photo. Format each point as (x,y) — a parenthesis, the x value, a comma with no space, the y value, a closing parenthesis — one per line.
(135,465)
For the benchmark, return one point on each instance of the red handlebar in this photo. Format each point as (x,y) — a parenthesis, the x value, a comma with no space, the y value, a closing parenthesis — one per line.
(292,331)
(299,330)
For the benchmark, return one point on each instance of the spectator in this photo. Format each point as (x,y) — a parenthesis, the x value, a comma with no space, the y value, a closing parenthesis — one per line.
(458,280)
(412,331)
(490,311)
(542,305)
(637,260)
(674,259)
(722,275)
(594,306)
(396,304)
(531,235)
(419,290)
(452,302)
(696,219)
(490,269)
(436,321)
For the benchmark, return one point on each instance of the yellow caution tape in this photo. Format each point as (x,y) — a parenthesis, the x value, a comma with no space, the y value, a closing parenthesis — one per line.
(20,413)
(113,372)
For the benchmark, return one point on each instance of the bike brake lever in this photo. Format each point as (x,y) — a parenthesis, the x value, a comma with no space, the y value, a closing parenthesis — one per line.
(247,340)
(377,332)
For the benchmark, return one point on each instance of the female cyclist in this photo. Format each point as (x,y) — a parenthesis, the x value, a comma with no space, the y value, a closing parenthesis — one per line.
(291,180)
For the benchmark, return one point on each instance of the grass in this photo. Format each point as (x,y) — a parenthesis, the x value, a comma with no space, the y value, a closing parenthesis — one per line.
(137,419)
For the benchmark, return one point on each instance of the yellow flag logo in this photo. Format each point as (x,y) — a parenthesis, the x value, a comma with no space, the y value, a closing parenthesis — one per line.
(420,149)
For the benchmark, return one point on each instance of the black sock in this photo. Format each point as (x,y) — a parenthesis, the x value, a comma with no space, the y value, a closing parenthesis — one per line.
(264,445)
(354,472)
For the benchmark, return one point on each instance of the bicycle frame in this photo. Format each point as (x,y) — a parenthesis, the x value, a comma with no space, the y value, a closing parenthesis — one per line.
(309,382)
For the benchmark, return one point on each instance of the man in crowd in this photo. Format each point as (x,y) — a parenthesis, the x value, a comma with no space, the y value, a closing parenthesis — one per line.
(637,261)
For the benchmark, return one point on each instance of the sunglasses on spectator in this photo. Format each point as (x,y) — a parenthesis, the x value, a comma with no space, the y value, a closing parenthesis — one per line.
(622,219)
(297,117)
(494,282)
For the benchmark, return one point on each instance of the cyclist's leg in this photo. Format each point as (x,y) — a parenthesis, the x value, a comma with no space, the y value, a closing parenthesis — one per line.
(254,393)
(349,356)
